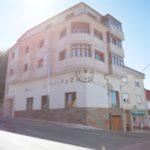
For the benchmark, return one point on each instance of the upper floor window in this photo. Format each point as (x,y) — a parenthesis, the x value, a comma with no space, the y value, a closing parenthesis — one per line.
(125,97)
(116,24)
(45,102)
(62,55)
(115,41)
(27,50)
(40,63)
(139,99)
(25,69)
(62,33)
(117,60)
(70,16)
(137,83)
(99,55)
(12,55)
(125,80)
(48,26)
(98,34)
(92,15)
(41,43)
(114,98)
(70,99)
(29,104)
(11,71)
(80,27)
(81,50)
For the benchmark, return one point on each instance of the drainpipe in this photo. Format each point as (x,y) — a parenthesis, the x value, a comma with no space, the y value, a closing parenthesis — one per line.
(107,80)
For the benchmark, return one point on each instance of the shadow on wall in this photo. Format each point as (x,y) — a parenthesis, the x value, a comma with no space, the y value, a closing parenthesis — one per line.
(1,110)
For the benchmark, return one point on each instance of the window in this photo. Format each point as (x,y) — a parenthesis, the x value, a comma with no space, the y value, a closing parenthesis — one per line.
(114,40)
(40,63)
(80,27)
(81,50)
(45,102)
(25,67)
(62,55)
(70,16)
(98,34)
(117,60)
(99,55)
(29,105)
(62,33)
(92,16)
(137,83)
(139,99)
(12,55)
(70,99)
(114,98)
(41,43)
(27,50)
(125,80)
(48,26)
(125,97)
(11,71)
(116,24)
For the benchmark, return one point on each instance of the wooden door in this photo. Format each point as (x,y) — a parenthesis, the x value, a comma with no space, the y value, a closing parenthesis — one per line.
(116,123)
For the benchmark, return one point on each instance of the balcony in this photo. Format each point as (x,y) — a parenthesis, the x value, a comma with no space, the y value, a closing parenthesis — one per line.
(73,63)
(118,71)
(80,38)
(116,50)
(116,32)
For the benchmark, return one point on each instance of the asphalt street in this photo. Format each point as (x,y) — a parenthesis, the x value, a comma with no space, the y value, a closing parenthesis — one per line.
(87,138)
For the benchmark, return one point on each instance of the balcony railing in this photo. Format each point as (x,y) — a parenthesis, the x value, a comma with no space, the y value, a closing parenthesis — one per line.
(116,50)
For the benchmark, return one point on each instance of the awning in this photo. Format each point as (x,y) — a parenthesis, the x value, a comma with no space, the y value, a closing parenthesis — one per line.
(138,113)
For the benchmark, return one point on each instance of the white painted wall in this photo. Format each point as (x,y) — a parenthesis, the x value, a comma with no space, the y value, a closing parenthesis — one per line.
(57,92)
(92,94)
(96,92)
(133,91)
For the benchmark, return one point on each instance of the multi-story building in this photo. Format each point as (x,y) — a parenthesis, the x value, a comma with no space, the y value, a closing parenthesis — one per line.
(70,68)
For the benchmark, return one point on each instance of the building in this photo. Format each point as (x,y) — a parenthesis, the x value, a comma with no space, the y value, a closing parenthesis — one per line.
(70,68)
(147,96)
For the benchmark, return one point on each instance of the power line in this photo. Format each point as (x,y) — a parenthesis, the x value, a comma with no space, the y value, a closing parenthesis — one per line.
(146,67)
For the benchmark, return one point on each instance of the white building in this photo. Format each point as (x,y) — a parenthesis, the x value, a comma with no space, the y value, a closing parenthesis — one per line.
(70,68)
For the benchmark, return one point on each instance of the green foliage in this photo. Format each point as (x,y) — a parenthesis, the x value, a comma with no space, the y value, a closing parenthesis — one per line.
(3,70)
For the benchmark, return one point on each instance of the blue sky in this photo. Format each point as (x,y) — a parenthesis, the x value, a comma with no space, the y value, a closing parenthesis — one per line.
(17,16)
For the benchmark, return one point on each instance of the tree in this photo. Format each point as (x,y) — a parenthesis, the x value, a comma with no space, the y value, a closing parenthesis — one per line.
(3,70)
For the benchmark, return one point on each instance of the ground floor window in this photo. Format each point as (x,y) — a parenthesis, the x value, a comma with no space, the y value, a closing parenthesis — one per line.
(45,102)
(29,105)
(70,99)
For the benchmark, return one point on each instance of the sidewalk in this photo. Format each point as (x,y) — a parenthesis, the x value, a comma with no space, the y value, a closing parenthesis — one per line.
(135,133)
(68,125)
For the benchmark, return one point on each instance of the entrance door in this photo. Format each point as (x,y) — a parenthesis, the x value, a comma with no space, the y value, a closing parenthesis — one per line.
(116,123)
(10,106)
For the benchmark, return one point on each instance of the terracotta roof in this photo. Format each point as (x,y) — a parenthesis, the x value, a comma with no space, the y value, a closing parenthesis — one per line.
(147,93)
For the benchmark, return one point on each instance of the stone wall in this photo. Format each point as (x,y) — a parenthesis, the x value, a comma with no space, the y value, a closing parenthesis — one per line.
(96,117)
(72,115)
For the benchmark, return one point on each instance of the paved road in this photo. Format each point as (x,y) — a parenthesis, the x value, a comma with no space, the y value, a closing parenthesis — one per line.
(88,138)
